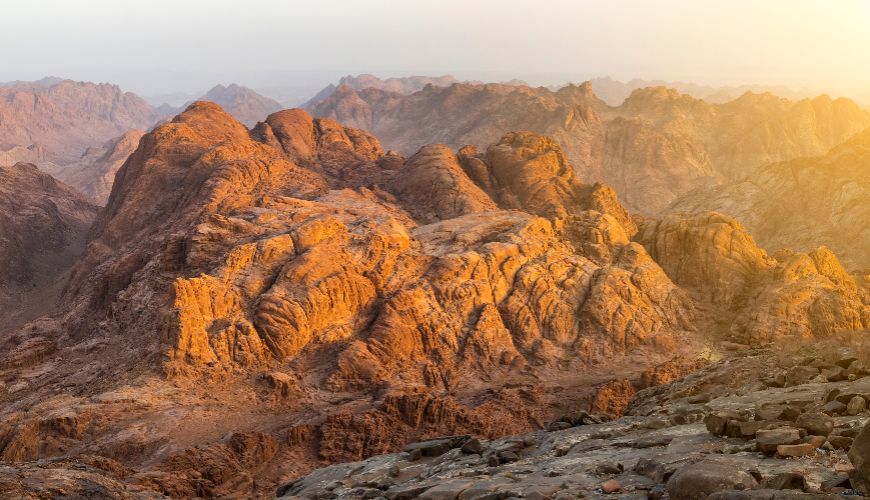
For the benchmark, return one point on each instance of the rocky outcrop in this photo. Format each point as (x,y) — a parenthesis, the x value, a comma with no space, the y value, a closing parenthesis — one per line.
(65,117)
(43,227)
(802,203)
(656,146)
(760,297)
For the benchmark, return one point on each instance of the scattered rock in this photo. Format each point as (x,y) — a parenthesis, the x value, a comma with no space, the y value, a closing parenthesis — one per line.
(815,423)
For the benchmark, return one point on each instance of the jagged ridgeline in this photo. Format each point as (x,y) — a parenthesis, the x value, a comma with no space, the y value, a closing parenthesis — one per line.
(252,304)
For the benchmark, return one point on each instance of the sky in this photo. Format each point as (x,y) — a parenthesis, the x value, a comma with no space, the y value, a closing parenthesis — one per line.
(164,46)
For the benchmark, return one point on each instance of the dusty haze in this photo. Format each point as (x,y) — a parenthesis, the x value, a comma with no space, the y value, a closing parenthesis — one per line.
(189,46)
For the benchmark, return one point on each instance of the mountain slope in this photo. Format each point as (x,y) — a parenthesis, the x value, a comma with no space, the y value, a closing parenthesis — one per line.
(43,226)
(655,147)
(803,202)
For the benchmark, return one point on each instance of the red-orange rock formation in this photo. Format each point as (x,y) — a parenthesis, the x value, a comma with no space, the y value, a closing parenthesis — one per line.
(762,297)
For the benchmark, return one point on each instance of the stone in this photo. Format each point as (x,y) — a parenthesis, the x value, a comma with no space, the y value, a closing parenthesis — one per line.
(796,450)
(856,405)
(699,480)
(435,447)
(815,423)
(767,441)
(840,442)
(448,490)
(798,375)
(716,422)
(834,408)
(611,486)
(816,441)
(859,455)
(472,446)
(785,481)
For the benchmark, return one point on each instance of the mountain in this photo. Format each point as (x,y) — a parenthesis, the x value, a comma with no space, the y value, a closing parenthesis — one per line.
(43,228)
(94,173)
(403,85)
(656,146)
(253,304)
(246,105)
(64,118)
(615,92)
(802,202)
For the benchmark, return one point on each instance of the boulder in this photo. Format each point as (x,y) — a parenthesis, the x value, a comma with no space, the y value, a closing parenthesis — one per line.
(699,480)
(834,408)
(815,423)
(798,375)
(856,405)
(859,455)
(767,441)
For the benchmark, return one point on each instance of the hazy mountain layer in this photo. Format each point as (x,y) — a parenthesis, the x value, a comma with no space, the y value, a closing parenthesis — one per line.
(64,118)
(656,146)
(803,202)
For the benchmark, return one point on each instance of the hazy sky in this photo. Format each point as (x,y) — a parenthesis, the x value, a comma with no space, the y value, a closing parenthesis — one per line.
(163,46)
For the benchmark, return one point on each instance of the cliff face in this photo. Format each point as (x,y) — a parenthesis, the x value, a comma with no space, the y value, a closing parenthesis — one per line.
(253,303)
(652,148)
(65,117)
(800,203)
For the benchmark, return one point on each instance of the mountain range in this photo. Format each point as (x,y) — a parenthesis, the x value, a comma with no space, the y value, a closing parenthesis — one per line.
(253,303)
(655,147)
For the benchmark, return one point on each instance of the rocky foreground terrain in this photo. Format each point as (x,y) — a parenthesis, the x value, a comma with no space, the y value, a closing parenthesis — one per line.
(656,146)
(254,304)
(756,425)
(801,202)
